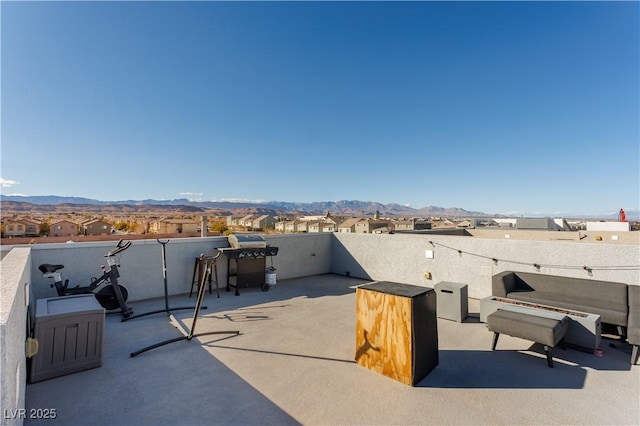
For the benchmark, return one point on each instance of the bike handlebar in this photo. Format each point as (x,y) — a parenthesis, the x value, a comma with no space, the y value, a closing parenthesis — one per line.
(119,248)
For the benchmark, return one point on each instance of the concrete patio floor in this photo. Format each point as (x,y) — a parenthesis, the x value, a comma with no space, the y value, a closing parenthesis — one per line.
(293,363)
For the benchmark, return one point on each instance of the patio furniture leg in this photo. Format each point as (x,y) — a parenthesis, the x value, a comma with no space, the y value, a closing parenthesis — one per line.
(547,350)
(495,341)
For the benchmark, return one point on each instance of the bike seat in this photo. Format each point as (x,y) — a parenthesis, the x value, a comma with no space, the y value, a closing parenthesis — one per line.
(44,268)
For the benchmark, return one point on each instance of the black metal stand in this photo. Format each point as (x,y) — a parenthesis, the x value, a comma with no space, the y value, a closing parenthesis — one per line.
(166,309)
(196,312)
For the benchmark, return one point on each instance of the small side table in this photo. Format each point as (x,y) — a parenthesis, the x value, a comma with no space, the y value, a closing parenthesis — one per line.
(452,300)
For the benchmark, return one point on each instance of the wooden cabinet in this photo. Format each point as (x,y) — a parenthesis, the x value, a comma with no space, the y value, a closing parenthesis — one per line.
(396,330)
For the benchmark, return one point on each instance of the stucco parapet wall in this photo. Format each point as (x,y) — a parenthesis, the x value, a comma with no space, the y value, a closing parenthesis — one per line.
(613,237)
(473,260)
(14,296)
(609,226)
(12,268)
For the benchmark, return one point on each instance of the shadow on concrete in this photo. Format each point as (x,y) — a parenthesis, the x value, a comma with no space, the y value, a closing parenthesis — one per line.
(253,298)
(288,354)
(167,386)
(472,318)
(502,369)
(520,368)
(247,314)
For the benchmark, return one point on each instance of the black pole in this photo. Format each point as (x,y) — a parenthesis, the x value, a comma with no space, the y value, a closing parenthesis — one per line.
(166,309)
(164,272)
(196,313)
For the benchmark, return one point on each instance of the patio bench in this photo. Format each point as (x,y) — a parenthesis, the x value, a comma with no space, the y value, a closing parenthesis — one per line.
(540,329)
(608,299)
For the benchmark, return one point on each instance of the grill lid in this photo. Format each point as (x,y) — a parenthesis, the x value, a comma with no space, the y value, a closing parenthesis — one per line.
(247,241)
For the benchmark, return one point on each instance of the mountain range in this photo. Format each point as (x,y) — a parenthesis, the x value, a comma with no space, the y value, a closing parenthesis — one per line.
(55,203)
(343,207)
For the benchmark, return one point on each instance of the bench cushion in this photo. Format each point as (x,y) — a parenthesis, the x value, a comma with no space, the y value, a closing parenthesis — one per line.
(547,331)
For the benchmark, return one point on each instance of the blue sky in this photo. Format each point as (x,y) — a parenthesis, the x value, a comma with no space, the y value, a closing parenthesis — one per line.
(520,107)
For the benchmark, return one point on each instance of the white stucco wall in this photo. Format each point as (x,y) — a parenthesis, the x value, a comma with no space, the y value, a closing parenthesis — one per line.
(141,264)
(401,258)
(392,257)
(609,226)
(15,269)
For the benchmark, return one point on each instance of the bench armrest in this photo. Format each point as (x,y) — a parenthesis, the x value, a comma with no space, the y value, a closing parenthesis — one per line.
(633,326)
(503,284)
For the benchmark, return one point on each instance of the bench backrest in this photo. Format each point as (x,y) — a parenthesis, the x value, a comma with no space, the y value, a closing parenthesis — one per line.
(583,288)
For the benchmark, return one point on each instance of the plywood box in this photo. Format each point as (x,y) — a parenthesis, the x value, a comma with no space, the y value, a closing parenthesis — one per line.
(396,330)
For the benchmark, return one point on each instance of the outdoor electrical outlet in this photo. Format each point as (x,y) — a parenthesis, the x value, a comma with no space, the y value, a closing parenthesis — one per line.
(428,254)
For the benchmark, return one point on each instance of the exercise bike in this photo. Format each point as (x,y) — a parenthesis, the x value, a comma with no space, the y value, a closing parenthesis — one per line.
(111,296)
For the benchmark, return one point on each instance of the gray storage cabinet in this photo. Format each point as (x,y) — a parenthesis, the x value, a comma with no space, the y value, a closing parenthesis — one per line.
(452,300)
(69,331)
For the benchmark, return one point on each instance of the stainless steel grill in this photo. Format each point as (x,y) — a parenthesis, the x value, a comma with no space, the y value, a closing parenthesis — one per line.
(246,260)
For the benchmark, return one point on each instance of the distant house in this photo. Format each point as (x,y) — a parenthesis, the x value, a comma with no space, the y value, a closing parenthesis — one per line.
(316,218)
(63,228)
(286,226)
(321,227)
(302,226)
(328,227)
(313,226)
(263,222)
(290,226)
(96,227)
(413,224)
(21,228)
(382,230)
(246,221)
(349,225)
(173,226)
(14,228)
(367,226)
(233,221)
(32,228)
